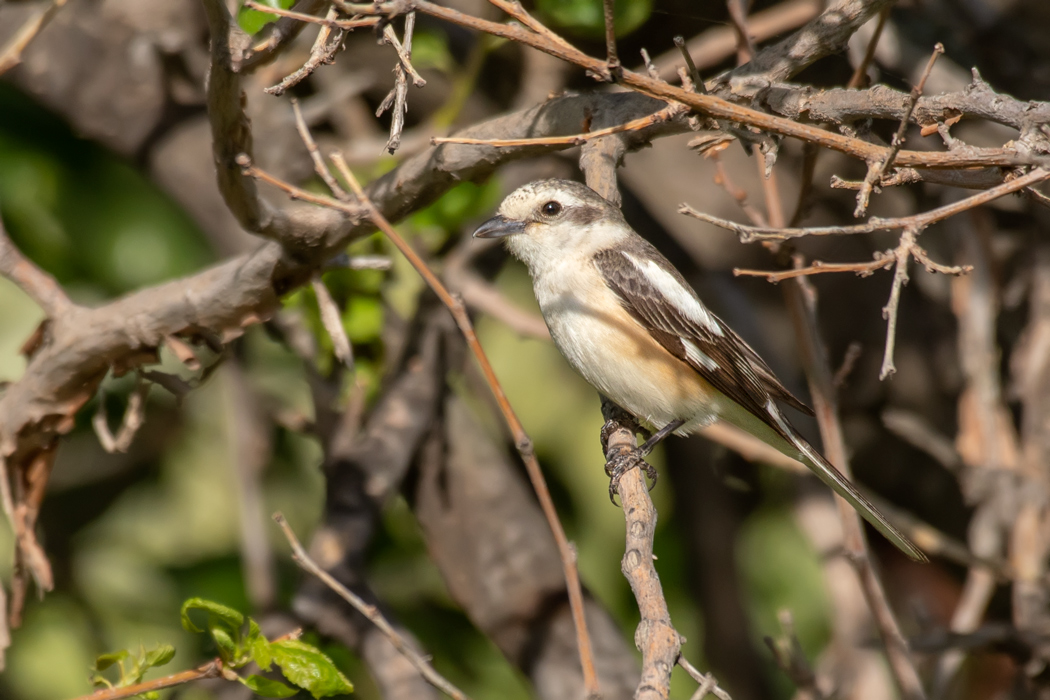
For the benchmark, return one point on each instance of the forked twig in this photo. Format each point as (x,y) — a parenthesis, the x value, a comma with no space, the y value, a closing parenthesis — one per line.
(749,234)
(877,168)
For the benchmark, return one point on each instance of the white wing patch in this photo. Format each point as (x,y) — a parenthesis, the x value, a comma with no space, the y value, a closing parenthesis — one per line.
(698,356)
(678,296)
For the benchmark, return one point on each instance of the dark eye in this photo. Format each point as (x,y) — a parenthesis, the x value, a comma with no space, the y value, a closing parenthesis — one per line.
(551,208)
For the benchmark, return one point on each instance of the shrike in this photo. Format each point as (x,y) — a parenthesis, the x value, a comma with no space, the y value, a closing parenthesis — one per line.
(628,321)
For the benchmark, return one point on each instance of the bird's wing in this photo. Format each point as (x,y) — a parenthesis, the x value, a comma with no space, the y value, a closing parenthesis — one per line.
(654,293)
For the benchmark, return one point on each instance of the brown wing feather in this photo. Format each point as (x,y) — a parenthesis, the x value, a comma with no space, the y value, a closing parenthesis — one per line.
(740,372)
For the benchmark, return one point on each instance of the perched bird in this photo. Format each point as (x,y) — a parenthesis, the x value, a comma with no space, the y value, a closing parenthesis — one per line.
(630,324)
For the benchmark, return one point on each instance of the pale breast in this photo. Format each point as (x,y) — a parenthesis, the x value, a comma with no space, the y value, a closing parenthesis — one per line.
(615,353)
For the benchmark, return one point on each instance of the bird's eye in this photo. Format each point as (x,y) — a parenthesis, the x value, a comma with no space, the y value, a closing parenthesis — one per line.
(551,208)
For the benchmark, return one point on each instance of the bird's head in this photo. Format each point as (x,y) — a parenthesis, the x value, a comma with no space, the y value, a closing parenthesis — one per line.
(548,220)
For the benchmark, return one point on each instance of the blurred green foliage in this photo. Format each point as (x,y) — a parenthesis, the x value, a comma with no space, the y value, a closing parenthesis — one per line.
(587,17)
(252,21)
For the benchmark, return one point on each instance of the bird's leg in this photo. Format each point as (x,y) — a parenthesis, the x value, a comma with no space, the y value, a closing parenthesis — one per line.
(621,457)
(658,437)
(630,458)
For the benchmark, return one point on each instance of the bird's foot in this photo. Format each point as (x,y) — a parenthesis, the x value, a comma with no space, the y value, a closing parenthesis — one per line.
(624,462)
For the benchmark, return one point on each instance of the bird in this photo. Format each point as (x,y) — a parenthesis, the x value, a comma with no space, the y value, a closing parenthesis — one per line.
(628,322)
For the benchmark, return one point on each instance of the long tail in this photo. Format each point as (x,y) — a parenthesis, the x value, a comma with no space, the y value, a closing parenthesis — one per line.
(779,433)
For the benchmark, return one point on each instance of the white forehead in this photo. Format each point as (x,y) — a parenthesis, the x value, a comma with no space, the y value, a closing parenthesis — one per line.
(528,198)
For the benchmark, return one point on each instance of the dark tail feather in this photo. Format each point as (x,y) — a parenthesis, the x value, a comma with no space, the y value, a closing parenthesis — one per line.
(842,486)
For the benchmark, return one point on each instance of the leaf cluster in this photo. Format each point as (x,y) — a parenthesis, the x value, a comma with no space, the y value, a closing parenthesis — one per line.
(241,641)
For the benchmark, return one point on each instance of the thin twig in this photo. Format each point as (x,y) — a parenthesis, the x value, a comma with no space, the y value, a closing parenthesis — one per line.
(694,74)
(315,154)
(351,210)
(404,53)
(6,502)
(707,681)
(817,267)
(134,414)
(723,180)
(329,21)
(878,168)
(713,46)
(745,44)
(515,10)
(212,669)
(11,52)
(612,61)
(521,439)
(370,611)
(889,312)
(326,45)
(333,323)
(787,651)
(649,67)
(664,115)
(749,234)
(397,98)
(861,72)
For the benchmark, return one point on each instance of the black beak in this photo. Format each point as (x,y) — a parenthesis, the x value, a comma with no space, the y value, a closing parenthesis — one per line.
(498,227)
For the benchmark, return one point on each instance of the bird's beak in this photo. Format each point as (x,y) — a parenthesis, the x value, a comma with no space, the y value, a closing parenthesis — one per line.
(498,227)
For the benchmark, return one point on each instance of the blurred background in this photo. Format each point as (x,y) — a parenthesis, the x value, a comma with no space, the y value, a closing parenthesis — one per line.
(106,181)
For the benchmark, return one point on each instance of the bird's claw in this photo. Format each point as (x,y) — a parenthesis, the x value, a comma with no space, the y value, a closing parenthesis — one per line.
(622,463)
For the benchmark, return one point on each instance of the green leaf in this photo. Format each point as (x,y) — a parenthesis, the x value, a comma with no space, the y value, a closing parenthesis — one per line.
(159,656)
(227,646)
(252,21)
(106,660)
(259,646)
(305,665)
(151,695)
(231,617)
(268,688)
